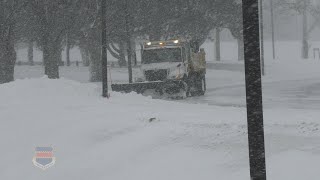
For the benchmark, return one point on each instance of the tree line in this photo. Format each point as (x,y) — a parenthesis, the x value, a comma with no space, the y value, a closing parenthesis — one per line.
(52,25)
(306,9)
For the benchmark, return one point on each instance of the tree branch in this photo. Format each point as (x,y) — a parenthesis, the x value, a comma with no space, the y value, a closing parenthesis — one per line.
(114,54)
(117,50)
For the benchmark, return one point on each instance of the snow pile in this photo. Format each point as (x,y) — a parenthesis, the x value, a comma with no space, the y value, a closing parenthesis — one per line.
(133,137)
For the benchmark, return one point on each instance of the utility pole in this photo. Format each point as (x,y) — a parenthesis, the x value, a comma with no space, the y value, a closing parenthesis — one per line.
(254,89)
(272,30)
(261,37)
(129,50)
(104,50)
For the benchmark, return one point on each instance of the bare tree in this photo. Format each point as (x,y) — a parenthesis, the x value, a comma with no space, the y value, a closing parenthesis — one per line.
(9,11)
(52,20)
(305,8)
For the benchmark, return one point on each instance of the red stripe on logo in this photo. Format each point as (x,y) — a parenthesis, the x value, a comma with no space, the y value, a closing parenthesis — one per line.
(44,154)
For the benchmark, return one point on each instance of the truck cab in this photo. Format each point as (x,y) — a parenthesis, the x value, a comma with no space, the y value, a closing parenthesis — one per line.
(174,60)
(163,60)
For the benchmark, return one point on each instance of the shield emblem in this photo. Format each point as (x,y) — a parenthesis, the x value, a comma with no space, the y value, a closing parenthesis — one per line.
(43,158)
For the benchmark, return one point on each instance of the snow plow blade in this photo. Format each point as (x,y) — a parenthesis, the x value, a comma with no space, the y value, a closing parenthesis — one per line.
(170,87)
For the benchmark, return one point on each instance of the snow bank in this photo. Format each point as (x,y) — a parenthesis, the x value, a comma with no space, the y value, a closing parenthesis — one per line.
(130,136)
(99,138)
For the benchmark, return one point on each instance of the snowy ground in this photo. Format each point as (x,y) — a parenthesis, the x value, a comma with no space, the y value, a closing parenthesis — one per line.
(94,139)
(198,138)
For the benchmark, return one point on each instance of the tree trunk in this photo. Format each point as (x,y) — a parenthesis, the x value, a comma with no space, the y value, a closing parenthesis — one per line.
(217,49)
(305,44)
(30,53)
(7,58)
(85,57)
(122,60)
(68,52)
(95,65)
(129,55)
(51,58)
(240,49)
(61,62)
(133,53)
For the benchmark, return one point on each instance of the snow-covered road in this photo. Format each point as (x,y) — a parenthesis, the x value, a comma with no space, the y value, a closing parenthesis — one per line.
(296,94)
(225,88)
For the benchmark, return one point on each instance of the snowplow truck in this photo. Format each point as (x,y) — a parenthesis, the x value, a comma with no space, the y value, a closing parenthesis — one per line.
(172,68)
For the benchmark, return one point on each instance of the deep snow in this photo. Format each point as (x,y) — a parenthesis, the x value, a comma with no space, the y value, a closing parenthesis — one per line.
(197,138)
(97,138)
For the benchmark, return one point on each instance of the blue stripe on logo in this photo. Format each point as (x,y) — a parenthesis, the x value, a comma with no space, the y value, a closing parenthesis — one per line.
(45,149)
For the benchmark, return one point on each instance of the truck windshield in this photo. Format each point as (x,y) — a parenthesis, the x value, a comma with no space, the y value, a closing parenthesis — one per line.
(161,55)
